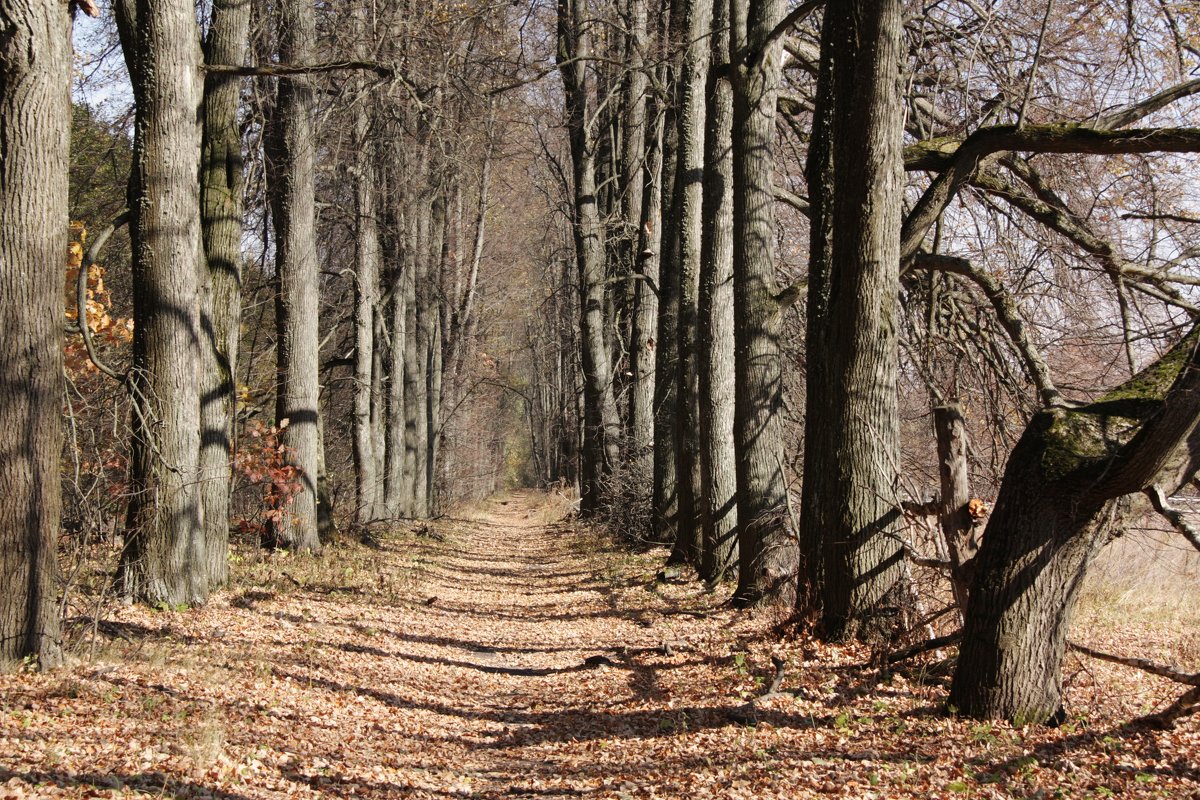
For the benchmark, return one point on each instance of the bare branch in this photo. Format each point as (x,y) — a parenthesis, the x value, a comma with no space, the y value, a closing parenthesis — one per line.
(1145,665)
(960,163)
(89,258)
(1006,311)
(1158,499)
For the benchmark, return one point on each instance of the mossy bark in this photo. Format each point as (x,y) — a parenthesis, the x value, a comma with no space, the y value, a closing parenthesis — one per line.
(1065,494)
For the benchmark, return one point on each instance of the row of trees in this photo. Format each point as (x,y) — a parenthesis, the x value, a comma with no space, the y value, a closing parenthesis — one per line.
(335,164)
(915,154)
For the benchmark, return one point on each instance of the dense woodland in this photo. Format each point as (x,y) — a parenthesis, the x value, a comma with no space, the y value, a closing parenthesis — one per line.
(880,312)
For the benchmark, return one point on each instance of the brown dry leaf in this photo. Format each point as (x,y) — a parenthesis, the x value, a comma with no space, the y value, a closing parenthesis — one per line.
(539,672)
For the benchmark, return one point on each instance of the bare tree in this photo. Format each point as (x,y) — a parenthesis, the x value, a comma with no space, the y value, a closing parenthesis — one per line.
(291,163)
(35,107)
(165,559)
(855,177)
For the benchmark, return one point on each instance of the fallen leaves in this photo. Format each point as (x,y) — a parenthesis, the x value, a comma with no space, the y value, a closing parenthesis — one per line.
(544,669)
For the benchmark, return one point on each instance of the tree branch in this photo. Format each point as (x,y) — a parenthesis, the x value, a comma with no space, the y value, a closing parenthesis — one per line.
(91,257)
(1158,499)
(960,164)
(1171,673)
(1006,311)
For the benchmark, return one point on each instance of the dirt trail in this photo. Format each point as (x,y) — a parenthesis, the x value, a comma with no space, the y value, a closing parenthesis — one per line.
(500,656)
(488,657)
(520,645)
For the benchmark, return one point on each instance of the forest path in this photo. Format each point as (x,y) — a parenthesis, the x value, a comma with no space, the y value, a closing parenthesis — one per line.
(503,654)
(495,654)
(520,648)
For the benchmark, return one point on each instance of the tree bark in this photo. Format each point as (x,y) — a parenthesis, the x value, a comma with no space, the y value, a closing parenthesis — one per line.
(643,339)
(640,180)
(850,505)
(665,499)
(165,560)
(767,552)
(221,209)
(35,126)
(422,336)
(1062,498)
(291,164)
(955,516)
(399,277)
(696,26)
(366,230)
(601,425)
(718,504)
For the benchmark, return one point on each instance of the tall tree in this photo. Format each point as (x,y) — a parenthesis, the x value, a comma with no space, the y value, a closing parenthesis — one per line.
(718,478)
(856,182)
(222,211)
(35,124)
(601,424)
(638,254)
(696,28)
(767,553)
(367,463)
(291,163)
(165,560)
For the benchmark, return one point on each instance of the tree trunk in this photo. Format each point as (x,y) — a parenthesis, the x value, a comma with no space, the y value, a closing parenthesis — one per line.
(290,159)
(767,552)
(399,336)
(696,26)
(601,425)
(856,180)
(165,560)
(35,126)
(1062,498)
(413,380)
(221,209)
(955,517)
(422,336)
(718,478)
(643,344)
(665,500)
(636,164)
(365,300)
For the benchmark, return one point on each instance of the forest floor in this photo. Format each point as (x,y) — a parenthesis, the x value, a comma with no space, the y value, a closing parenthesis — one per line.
(505,654)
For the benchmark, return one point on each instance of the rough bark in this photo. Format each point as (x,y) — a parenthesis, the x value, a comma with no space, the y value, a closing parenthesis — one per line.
(439,254)
(715,334)
(696,27)
(422,336)
(640,179)
(366,234)
(291,162)
(35,124)
(855,172)
(1064,495)
(957,524)
(601,425)
(414,382)
(643,339)
(399,277)
(221,209)
(665,499)
(767,552)
(165,561)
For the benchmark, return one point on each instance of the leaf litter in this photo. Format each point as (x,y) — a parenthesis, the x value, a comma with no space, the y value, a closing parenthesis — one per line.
(508,656)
